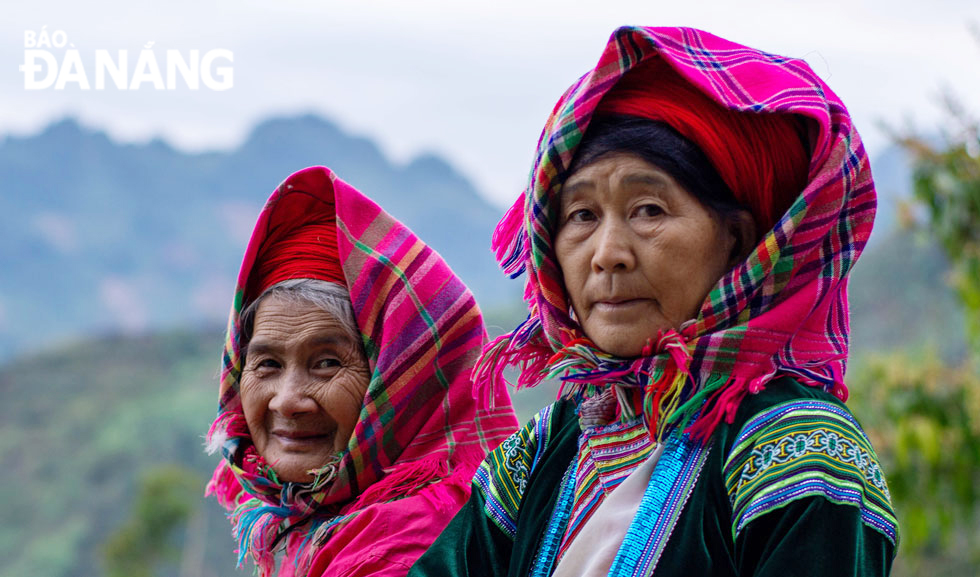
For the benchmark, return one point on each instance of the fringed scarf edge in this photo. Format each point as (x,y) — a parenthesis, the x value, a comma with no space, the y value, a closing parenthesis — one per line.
(261,528)
(673,397)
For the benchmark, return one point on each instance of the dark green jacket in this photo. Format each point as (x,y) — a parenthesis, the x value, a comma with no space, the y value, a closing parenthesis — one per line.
(790,488)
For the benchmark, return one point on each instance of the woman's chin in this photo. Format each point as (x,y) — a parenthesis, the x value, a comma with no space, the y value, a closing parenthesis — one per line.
(623,341)
(621,345)
(296,469)
(293,473)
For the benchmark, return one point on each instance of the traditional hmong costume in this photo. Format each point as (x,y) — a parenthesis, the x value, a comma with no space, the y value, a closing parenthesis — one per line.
(760,468)
(421,432)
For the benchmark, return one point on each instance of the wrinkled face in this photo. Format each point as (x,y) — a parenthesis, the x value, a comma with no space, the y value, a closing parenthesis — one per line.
(638,253)
(302,387)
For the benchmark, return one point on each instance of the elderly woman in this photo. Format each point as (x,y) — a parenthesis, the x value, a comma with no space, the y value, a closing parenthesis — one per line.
(693,214)
(347,419)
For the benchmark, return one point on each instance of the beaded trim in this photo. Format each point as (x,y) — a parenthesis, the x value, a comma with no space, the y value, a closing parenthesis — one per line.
(548,549)
(669,488)
(608,454)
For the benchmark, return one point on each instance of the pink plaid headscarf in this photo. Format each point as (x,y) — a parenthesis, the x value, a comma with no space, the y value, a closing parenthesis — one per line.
(421,432)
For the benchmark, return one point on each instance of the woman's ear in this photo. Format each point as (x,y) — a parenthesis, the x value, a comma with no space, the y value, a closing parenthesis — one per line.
(742,227)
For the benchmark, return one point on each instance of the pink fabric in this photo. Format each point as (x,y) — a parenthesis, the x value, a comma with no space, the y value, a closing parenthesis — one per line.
(385,539)
(421,432)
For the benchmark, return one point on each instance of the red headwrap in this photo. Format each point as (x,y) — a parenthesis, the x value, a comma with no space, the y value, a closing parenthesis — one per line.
(761,157)
(301,243)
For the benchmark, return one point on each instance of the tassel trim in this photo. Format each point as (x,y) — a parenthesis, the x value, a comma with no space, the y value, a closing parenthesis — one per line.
(509,242)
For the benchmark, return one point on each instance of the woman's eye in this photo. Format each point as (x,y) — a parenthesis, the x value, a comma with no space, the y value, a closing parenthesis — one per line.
(649,210)
(580,215)
(327,364)
(268,364)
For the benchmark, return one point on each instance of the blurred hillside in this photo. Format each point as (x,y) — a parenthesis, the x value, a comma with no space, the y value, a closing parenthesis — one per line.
(79,426)
(101,237)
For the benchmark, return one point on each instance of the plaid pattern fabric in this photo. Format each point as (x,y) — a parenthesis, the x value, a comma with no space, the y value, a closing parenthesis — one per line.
(607,455)
(784,309)
(420,422)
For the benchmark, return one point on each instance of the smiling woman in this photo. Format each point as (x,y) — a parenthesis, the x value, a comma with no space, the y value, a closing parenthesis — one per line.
(304,379)
(347,421)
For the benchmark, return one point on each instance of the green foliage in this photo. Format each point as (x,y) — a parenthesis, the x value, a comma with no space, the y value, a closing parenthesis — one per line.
(925,412)
(168,496)
(947,184)
(923,417)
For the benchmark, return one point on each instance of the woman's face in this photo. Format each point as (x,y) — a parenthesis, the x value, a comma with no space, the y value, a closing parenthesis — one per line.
(302,387)
(638,253)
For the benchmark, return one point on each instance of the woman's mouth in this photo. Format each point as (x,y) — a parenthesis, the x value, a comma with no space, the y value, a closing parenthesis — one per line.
(300,439)
(617,304)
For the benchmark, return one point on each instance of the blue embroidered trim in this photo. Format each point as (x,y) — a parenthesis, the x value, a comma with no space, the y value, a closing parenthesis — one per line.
(765,418)
(801,449)
(545,560)
(670,485)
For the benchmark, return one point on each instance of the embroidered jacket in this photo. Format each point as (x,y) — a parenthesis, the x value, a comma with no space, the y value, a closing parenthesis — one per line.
(791,487)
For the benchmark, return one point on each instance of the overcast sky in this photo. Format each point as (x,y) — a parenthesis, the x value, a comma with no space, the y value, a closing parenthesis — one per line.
(470,80)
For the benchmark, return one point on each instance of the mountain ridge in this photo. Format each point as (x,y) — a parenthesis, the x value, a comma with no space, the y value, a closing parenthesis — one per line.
(106,236)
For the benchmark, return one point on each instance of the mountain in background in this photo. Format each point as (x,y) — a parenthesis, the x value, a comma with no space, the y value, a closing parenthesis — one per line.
(102,237)
(892,171)
(106,238)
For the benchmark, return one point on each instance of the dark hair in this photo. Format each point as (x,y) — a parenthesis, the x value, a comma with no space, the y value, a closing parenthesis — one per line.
(660,145)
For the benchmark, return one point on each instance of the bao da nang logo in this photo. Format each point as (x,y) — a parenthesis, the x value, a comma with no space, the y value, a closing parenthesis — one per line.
(51,61)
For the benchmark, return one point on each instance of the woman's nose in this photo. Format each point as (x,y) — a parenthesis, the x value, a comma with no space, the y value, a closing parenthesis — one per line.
(293,395)
(612,250)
